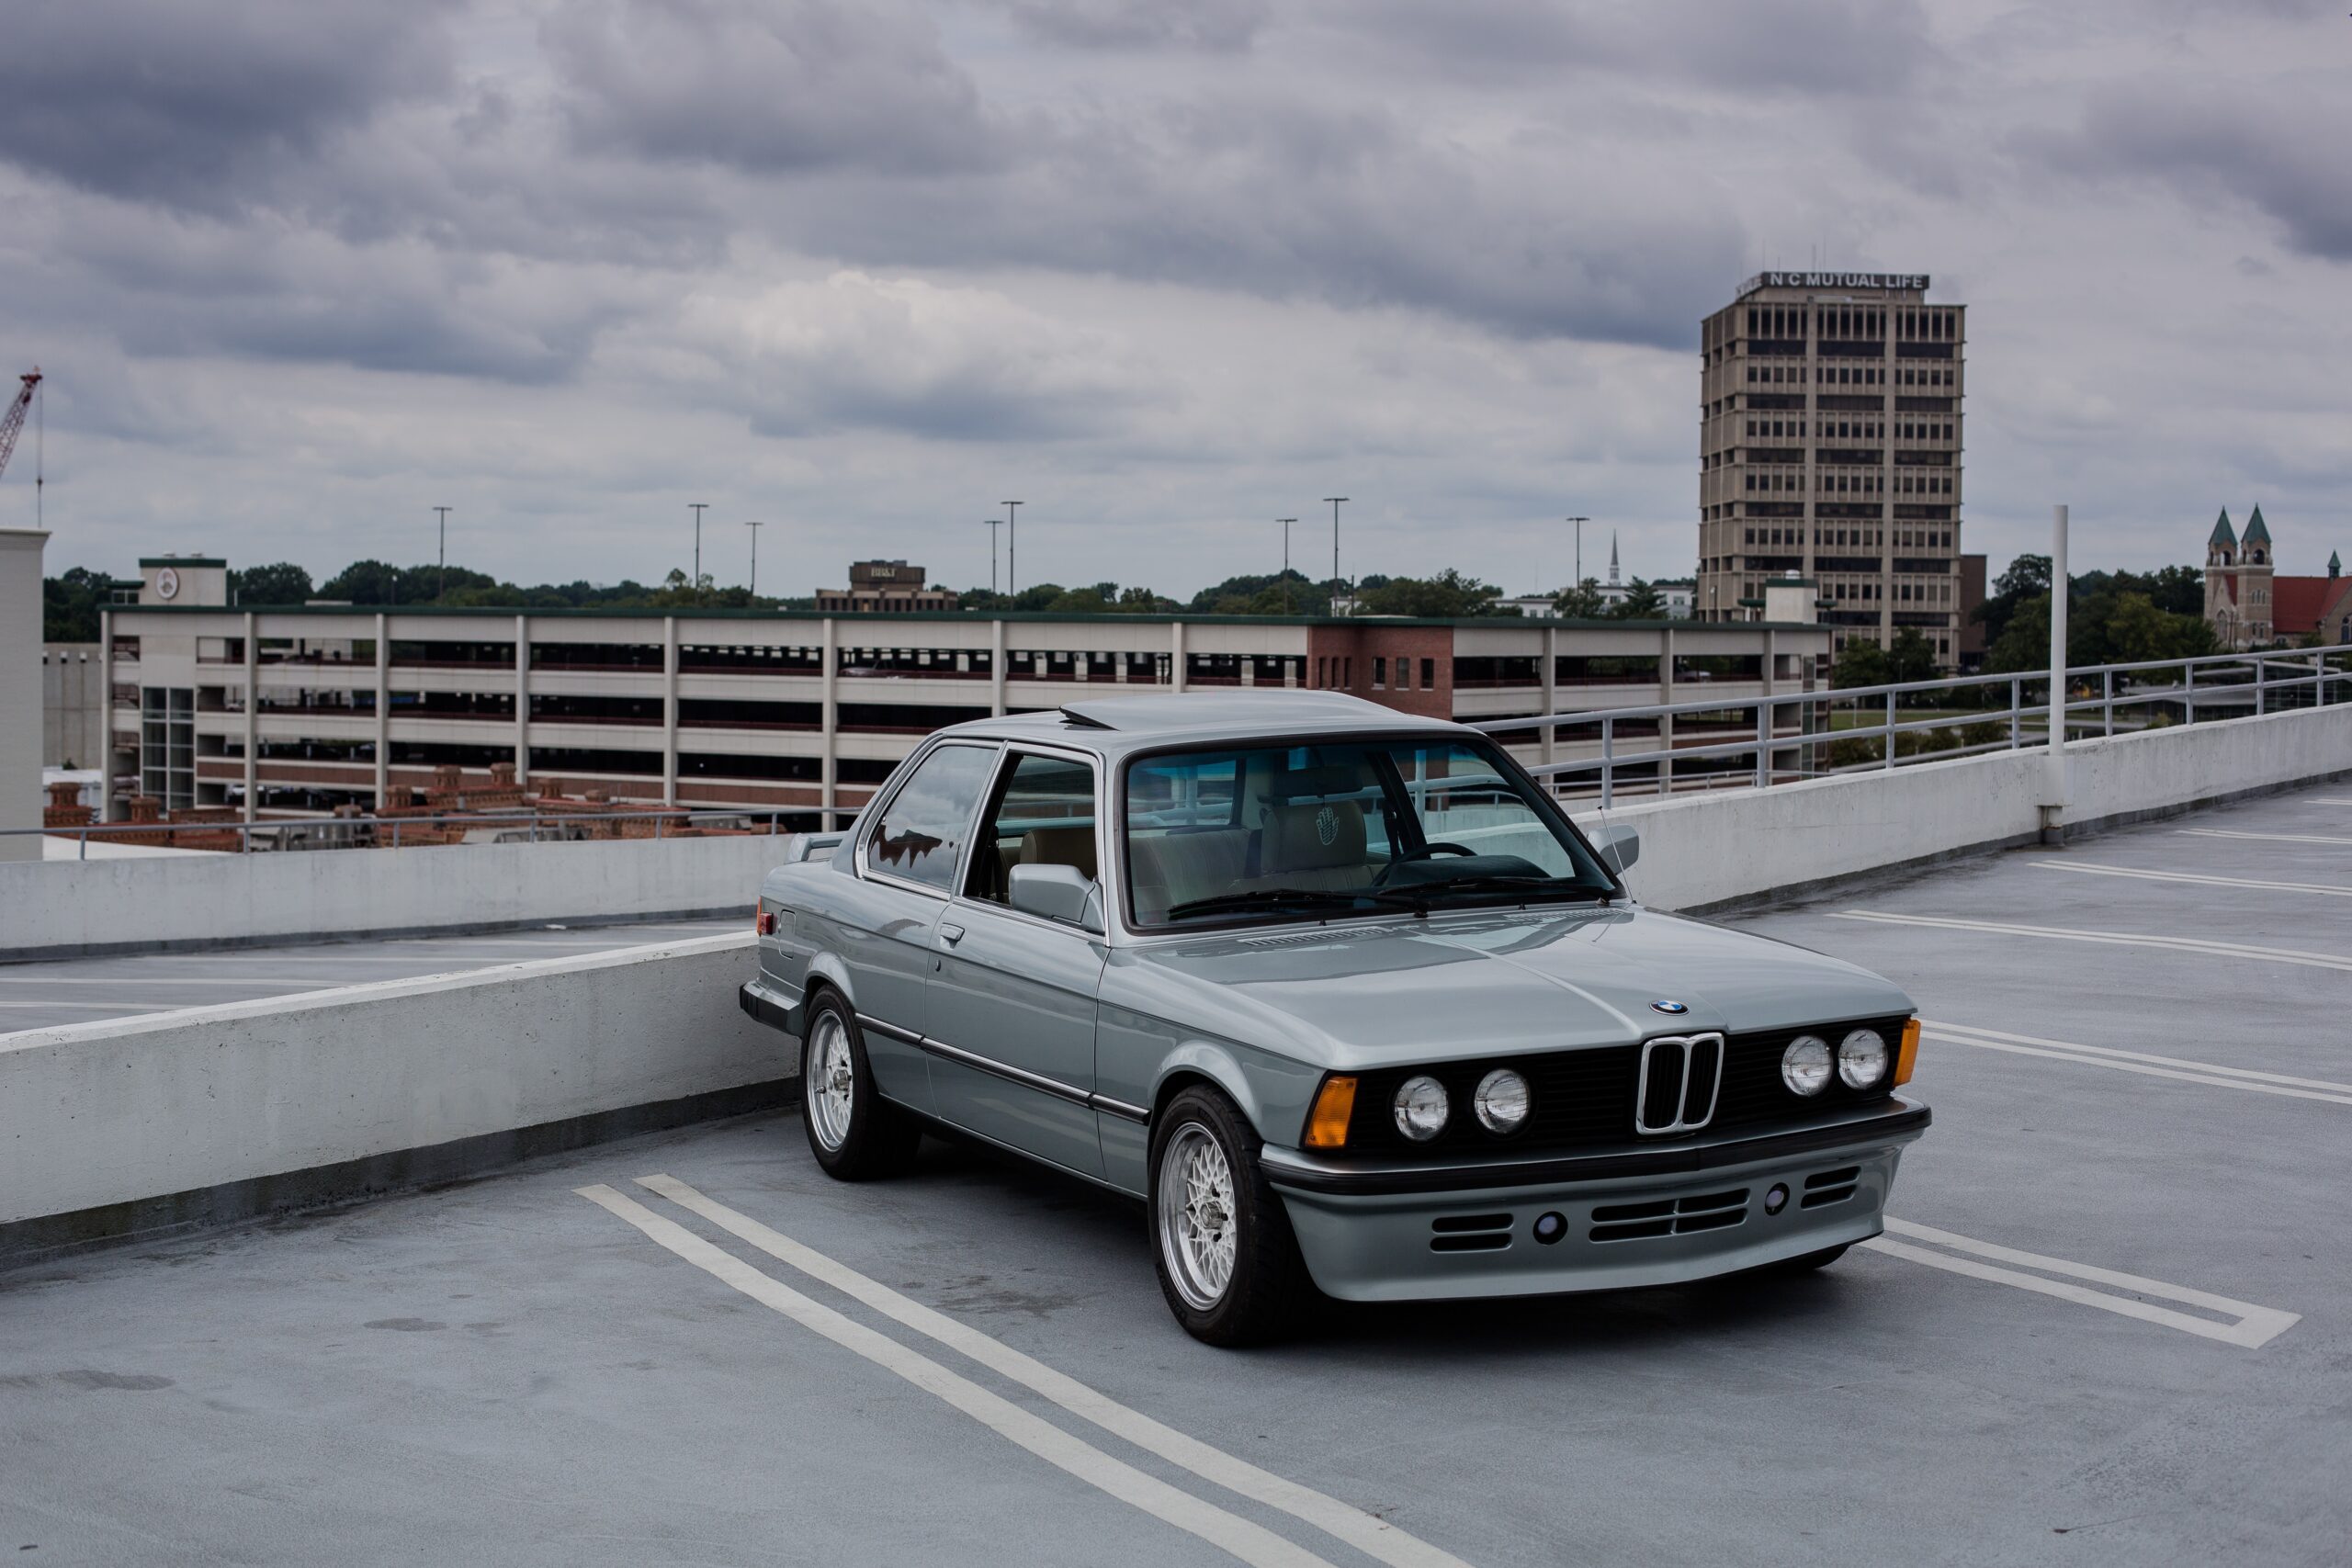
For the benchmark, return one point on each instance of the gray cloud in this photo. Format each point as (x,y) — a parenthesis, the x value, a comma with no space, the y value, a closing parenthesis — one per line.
(2282,152)
(170,102)
(1216,26)
(770,87)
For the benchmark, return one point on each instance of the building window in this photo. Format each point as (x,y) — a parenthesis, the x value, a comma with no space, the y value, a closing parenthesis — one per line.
(1429,674)
(1379,674)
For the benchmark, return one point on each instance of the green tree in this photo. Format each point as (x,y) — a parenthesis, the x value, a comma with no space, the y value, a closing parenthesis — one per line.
(1448,595)
(1582,602)
(1641,602)
(1861,662)
(281,584)
(70,604)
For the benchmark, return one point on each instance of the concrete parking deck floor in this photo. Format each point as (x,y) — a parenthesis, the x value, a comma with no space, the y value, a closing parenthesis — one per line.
(2115,1325)
(41,995)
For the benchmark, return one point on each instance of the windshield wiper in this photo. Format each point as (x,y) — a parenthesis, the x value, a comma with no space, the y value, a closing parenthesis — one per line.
(1279,897)
(1506,882)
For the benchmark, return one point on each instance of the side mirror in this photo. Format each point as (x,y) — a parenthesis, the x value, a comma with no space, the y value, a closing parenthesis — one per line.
(1619,847)
(1060,892)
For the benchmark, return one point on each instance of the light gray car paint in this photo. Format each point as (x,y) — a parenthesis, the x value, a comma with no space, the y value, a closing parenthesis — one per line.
(1266,1011)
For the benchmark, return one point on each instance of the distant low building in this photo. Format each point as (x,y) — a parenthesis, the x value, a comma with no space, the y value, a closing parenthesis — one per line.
(1678,593)
(877,586)
(2249,605)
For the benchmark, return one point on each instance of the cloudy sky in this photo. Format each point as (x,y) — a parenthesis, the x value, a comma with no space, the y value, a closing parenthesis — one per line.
(298,271)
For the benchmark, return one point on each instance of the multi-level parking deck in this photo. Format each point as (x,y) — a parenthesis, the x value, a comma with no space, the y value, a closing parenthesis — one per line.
(2108,1323)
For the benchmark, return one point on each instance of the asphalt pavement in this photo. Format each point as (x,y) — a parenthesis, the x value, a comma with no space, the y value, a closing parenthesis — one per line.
(2111,1320)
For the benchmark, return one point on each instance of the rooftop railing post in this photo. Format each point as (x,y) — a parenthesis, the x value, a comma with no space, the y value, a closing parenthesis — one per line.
(1890,731)
(2261,669)
(1763,743)
(2188,688)
(2106,702)
(1608,768)
(2016,713)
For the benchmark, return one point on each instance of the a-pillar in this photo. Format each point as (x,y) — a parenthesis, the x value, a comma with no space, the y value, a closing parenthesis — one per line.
(20,693)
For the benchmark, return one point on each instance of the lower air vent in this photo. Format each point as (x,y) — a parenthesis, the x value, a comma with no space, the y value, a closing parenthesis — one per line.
(1830,1186)
(1674,1216)
(1470,1233)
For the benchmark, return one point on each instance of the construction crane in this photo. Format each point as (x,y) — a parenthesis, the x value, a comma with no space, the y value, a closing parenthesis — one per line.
(12,424)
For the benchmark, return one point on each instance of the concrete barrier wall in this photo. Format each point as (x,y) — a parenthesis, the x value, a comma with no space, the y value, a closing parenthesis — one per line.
(59,908)
(1704,851)
(128,1126)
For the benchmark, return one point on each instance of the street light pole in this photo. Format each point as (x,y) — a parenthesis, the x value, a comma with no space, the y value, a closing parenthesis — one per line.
(1013,546)
(755,587)
(993,524)
(1335,501)
(444,586)
(699,507)
(1285,522)
(1579,523)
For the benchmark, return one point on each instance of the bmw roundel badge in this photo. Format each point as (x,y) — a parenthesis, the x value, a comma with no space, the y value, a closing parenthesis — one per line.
(1672,1007)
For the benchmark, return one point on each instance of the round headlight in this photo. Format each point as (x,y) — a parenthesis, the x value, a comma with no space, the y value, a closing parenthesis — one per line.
(1862,1058)
(1501,1100)
(1420,1109)
(1804,1066)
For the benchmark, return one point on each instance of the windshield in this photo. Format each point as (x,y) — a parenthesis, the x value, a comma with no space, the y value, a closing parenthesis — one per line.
(1291,831)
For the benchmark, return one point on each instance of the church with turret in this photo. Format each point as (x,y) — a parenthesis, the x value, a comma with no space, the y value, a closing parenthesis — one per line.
(2249,605)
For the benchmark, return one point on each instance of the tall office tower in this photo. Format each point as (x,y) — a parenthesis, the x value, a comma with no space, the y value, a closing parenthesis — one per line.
(1829,451)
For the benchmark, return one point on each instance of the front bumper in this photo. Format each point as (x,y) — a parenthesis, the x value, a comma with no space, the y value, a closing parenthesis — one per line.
(1652,1217)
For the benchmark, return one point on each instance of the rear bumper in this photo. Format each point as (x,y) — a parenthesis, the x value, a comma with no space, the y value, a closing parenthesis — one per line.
(772,1008)
(1676,1216)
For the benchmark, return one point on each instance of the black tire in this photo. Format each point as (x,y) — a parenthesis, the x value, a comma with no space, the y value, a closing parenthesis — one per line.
(1265,1282)
(857,1134)
(1811,1260)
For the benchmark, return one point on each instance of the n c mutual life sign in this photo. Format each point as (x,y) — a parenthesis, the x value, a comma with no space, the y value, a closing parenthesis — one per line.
(1917,280)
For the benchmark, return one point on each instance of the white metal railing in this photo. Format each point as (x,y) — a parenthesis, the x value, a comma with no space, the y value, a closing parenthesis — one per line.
(384,832)
(1796,735)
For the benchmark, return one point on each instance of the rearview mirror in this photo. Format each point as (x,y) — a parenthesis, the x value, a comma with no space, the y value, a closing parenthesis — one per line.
(1060,892)
(1617,847)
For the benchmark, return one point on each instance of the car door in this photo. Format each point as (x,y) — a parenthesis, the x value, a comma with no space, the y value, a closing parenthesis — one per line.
(908,859)
(1012,1058)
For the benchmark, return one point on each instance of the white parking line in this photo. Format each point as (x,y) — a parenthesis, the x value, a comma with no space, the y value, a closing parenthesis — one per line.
(1250,1543)
(307,981)
(2338,892)
(2115,938)
(2273,837)
(2254,1326)
(86,1007)
(2206,1073)
(1374,1538)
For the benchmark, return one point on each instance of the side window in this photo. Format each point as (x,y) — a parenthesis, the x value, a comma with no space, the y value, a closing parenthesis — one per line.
(1043,815)
(921,835)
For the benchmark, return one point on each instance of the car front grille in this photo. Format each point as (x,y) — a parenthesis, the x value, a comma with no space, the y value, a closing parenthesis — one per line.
(1589,1099)
(1668,1216)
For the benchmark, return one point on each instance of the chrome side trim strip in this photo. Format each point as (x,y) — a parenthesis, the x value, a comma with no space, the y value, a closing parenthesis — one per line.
(978,1063)
(1053,1087)
(888,1030)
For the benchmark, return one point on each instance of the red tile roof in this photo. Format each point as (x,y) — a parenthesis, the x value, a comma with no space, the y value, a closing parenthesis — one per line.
(2298,604)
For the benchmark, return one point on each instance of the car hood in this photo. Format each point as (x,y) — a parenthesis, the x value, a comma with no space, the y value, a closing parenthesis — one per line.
(1367,993)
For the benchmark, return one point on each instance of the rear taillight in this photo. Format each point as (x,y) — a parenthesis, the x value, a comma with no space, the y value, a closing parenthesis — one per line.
(765,922)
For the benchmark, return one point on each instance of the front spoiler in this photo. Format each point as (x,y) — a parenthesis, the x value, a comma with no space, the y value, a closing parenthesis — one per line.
(1900,1121)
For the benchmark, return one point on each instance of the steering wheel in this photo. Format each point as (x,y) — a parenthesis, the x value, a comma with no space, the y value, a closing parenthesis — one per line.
(1435,847)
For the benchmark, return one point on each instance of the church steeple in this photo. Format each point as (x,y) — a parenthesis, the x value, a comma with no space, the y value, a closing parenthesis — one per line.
(2335,567)
(1613,557)
(2224,536)
(2257,531)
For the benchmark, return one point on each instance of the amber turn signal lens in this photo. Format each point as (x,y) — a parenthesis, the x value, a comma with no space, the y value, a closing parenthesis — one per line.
(1327,1124)
(1909,1053)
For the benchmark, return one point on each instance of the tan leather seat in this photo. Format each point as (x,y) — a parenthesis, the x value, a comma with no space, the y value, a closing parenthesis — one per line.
(1318,844)
(1173,868)
(1059,846)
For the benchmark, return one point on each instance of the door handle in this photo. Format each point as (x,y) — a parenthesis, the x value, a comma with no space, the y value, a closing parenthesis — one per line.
(950,933)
